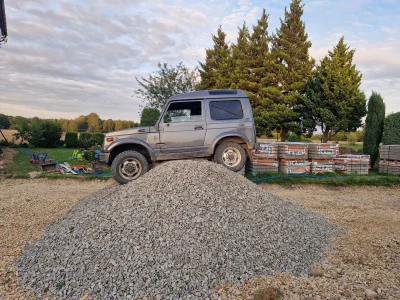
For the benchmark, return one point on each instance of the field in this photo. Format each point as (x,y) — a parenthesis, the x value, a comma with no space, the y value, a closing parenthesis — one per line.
(365,256)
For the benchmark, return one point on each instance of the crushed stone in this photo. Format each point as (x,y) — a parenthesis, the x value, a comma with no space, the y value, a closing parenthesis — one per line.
(176,232)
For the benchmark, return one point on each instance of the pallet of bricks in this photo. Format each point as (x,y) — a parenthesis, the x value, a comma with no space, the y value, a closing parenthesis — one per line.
(352,164)
(264,159)
(321,156)
(293,158)
(390,159)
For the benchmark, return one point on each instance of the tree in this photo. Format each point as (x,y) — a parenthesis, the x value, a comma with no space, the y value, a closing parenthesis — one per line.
(118,125)
(374,126)
(332,98)
(4,122)
(149,116)
(391,131)
(290,52)
(94,122)
(214,72)
(164,83)
(40,133)
(17,122)
(108,125)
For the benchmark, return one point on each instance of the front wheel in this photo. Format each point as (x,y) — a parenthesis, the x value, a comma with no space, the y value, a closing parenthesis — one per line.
(128,166)
(231,155)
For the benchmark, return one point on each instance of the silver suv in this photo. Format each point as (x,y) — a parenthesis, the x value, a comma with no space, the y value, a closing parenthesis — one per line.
(216,124)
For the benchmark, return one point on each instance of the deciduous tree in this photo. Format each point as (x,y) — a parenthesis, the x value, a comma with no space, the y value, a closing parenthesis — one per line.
(164,83)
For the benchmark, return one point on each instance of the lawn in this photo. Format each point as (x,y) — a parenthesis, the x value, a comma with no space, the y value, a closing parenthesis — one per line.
(21,165)
(374,178)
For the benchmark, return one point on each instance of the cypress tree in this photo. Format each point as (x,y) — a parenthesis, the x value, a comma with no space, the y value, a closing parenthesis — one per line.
(214,72)
(374,126)
(290,51)
(391,132)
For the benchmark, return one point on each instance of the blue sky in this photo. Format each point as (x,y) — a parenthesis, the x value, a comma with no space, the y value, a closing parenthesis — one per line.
(67,58)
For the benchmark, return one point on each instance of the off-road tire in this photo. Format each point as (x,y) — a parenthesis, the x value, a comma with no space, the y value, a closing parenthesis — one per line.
(237,152)
(130,158)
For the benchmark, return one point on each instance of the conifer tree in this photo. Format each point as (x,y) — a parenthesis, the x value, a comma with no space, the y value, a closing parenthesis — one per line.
(240,60)
(290,51)
(333,99)
(215,71)
(374,126)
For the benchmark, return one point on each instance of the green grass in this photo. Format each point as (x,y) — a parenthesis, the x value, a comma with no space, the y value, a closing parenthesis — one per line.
(355,147)
(21,165)
(334,179)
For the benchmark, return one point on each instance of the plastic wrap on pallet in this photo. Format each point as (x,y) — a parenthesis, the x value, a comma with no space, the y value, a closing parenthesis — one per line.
(352,159)
(293,150)
(262,165)
(291,162)
(352,168)
(299,169)
(390,152)
(323,150)
(265,150)
(322,166)
(389,167)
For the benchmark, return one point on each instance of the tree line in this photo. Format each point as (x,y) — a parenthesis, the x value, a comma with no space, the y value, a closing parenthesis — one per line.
(89,123)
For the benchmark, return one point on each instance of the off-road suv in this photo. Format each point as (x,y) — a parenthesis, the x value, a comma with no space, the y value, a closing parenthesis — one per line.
(217,124)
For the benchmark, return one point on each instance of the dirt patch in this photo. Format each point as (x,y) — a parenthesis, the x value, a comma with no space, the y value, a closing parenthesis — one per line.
(26,208)
(365,257)
(7,156)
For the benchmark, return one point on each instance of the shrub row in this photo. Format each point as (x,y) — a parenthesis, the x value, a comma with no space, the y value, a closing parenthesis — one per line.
(85,140)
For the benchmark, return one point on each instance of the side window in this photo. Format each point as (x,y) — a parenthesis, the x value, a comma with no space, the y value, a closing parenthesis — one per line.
(183,112)
(226,110)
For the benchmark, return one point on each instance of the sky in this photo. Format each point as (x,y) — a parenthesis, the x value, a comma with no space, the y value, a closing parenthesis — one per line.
(68,58)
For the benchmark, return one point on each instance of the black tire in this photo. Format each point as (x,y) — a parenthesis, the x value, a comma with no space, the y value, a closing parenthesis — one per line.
(135,166)
(231,150)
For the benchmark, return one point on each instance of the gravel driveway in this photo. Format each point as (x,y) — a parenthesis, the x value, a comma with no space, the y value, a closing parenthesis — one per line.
(364,261)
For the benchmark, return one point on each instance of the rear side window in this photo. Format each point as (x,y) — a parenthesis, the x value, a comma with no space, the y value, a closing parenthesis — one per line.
(226,110)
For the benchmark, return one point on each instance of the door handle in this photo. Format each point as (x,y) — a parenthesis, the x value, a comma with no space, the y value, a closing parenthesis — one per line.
(198,127)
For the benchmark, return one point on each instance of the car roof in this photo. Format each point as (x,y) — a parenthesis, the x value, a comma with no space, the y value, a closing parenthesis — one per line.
(209,94)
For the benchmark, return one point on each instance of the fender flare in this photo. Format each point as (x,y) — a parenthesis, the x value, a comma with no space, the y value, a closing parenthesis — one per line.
(131,141)
(227,135)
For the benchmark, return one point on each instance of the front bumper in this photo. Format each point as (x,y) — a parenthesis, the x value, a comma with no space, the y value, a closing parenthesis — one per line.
(104,158)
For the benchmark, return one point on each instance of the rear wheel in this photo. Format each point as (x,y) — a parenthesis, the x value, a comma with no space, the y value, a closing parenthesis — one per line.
(231,155)
(128,166)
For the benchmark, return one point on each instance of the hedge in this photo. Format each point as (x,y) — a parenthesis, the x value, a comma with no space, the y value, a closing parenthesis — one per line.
(391,131)
(88,139)
(71,139)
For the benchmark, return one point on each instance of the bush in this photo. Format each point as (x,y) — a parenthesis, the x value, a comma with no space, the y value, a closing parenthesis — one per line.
(391,131)
(341,136)
(352,138)
(44,134)
(71,139)
(293,137)
(149,116)
(99,137)
(88,139)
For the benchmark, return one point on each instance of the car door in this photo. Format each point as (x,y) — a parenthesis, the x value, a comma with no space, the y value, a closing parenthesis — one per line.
(182,127)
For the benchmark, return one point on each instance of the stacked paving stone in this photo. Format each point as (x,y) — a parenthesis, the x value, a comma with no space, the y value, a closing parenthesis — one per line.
(321,156)
(293,158)
(352,164)
(264,159)
(390,159)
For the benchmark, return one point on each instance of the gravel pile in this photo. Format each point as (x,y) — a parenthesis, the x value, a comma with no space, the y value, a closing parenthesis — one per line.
(176,232)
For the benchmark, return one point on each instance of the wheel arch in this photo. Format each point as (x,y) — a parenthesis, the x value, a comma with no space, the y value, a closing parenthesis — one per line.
(136,145)
(235,137)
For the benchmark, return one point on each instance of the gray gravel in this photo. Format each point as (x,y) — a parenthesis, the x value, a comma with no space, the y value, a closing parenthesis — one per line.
(176,232)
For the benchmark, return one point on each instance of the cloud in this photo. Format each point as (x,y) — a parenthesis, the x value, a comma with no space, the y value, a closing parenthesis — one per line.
(69,57)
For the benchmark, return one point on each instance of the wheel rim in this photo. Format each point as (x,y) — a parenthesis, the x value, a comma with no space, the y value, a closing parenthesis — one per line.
(231,157)
(130,169)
